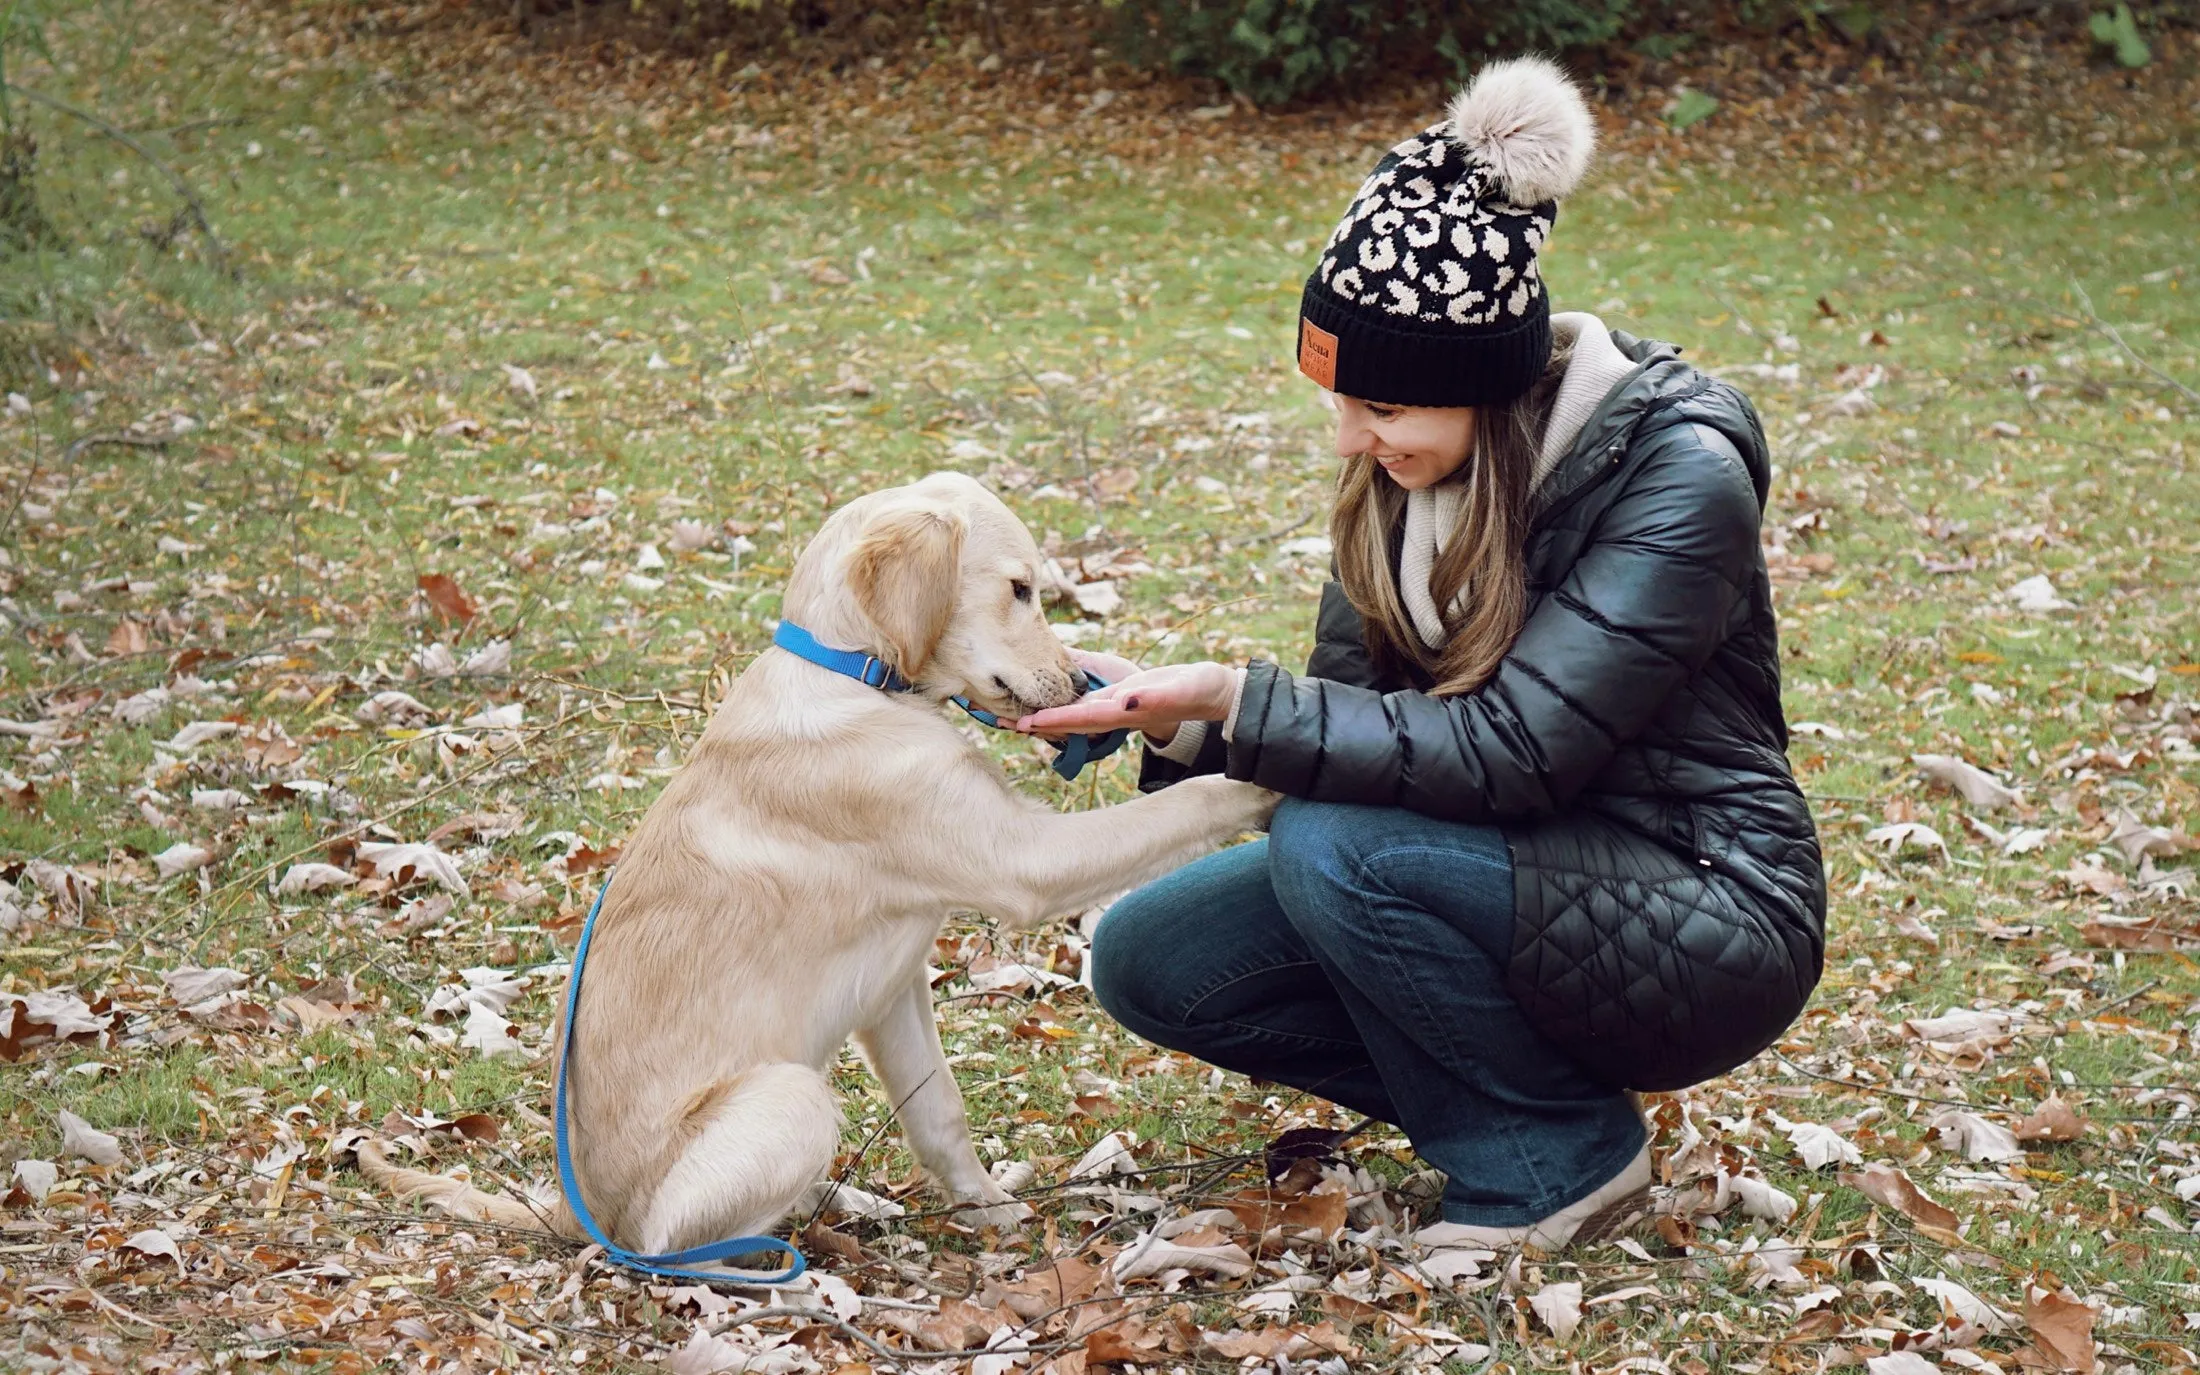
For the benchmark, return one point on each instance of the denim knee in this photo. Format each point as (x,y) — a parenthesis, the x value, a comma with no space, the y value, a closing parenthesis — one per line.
(1126,977)
(1328,860)
(1313,854)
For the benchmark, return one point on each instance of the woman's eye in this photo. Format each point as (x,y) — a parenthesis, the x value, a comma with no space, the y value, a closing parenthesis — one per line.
(1380,414)
(1022,590)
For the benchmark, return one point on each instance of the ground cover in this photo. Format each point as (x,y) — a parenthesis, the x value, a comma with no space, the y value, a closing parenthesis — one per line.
(438,524)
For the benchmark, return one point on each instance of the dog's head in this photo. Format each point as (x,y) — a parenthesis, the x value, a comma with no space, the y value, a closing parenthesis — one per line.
(940,580)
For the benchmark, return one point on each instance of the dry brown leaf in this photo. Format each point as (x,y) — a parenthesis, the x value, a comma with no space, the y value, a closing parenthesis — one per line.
(1353,1312)
(312,1015)
(1889,1187)
(128,637)
(448,598)
(2062,1330)
(958,1326)
(1322,1213)
(2149,935)
(2052,1120)
(819,1241)
(1121,1344)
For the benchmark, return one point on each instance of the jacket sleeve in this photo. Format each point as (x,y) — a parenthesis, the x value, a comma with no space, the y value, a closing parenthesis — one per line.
(1642,609)
(1339,654)
(1157,771)
(1340,651)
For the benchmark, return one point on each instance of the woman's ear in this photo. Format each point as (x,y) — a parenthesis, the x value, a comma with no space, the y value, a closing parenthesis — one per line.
(903,573)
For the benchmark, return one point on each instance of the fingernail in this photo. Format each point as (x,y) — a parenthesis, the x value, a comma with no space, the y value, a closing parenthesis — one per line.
(1130,704)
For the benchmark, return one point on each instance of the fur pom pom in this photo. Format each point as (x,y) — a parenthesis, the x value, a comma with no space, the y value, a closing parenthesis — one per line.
(1527,120)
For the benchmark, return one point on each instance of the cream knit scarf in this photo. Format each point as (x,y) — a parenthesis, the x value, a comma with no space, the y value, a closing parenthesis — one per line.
(1433,513)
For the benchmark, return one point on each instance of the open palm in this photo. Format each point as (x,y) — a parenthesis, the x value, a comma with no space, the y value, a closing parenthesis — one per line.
(1152,699)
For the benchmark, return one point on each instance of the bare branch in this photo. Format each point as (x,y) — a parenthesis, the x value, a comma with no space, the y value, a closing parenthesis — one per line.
(122,136)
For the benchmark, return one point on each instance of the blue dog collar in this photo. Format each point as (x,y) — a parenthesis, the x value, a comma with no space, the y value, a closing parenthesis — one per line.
(868,669)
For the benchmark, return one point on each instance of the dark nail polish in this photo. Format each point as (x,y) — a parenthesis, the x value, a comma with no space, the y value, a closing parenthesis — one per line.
(1130,704)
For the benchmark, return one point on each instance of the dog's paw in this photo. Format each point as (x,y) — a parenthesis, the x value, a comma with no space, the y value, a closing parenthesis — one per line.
(1005,1215)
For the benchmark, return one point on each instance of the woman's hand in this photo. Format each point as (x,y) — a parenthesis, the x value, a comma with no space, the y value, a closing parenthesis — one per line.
(1154,700)
(1109,666)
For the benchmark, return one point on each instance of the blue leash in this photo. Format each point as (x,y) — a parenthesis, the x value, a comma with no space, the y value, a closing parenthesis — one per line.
(1075,752)
(663,1265)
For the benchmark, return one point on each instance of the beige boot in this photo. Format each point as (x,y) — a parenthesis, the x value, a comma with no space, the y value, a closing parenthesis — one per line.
(1608,1211)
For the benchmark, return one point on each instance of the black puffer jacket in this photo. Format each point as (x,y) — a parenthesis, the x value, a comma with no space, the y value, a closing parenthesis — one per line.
(1669,892)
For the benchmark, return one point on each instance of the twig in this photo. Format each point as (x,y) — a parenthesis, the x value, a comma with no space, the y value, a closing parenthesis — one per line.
(122,136)
(93,441)
(2133,354)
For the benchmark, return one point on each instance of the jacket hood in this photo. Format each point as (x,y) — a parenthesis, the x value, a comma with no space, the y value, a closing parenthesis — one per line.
(1660,392)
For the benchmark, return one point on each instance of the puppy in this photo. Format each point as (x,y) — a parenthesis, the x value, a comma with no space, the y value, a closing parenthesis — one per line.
(783,893)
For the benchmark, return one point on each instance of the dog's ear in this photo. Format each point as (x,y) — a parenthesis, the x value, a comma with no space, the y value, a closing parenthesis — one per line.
(903,573)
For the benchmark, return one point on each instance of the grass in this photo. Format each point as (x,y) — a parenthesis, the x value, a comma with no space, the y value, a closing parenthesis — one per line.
(751,313)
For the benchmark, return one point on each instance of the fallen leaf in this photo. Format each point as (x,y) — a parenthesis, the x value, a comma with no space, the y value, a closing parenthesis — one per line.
(1111,1154)
(1887,1186)
(81,1139)
(182,858)
(1900,1363)
(313,878)
(406,863)
(154,1242)
(2062,1330)
(128,637)
(198,733)
(1819,1145)
(37,1177)
(1977,787)
(448,598)
(1559,1306)
(2137,840)
(2052,1120)
(2149,934)
(2037,595)
(1977,1138)
(1758,1197)
(1150,1255)
(189,984)
(1966,1304)
(1906,835)
(395,708)
(488,1032)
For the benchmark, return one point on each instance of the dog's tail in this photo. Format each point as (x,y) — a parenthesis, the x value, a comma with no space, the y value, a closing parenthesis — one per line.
(456,1197)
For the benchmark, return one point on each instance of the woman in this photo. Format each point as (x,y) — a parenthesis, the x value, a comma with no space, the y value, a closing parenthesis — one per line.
(1541,844)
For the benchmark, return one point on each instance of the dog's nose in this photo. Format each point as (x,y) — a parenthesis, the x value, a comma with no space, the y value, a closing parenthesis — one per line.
(1078,683)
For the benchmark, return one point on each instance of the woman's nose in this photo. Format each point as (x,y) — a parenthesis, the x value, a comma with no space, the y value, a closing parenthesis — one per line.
(1352,437)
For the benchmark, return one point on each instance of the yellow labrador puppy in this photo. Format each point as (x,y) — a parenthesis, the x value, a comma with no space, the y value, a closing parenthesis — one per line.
(785,890)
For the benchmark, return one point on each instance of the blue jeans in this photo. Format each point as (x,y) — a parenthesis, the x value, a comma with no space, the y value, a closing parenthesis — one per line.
(1359,954)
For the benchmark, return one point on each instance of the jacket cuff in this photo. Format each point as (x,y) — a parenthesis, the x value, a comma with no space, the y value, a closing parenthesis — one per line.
(1183,747)
(1237,700)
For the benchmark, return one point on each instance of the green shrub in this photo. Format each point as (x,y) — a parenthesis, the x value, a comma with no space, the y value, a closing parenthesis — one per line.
(1276,51)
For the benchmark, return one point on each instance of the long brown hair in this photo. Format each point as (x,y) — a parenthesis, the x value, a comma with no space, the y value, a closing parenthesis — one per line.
(1485,557)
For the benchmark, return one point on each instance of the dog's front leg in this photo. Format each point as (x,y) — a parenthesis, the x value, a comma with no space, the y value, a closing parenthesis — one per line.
(1036,865)
(903,1048)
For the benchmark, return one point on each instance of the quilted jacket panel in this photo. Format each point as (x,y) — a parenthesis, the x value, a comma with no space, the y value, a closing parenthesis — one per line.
(1668,884)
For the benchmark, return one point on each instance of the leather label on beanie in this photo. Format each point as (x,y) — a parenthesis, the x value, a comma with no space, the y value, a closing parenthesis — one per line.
(1318,354)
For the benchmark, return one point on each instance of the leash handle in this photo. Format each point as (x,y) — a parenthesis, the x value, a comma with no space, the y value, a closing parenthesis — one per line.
(661,1265)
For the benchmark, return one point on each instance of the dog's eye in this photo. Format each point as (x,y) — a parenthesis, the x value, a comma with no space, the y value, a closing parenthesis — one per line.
(1022,590)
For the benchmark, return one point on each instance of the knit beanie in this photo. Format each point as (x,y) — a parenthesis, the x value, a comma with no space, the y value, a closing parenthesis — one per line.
(1428,293)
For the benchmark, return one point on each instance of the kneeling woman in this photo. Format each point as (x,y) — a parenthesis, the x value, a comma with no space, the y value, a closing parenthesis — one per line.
(1541,844)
